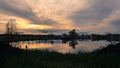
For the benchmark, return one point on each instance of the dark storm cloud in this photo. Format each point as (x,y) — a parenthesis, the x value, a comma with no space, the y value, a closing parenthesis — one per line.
(49,22)
(100,10)
(6,8)
(53,31)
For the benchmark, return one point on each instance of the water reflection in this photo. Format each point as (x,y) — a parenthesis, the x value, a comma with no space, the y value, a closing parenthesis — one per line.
(73,43)
(62,46)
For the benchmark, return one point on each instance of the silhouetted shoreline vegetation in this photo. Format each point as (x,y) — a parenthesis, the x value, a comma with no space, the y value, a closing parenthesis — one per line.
(10,38)
(17,58)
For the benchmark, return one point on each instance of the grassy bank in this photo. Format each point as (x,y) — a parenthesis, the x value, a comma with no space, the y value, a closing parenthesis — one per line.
(16,58)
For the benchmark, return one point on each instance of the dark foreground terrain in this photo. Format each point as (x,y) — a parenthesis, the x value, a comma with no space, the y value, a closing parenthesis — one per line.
(16,58)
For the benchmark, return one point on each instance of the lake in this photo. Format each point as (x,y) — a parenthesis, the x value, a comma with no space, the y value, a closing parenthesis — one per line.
(61,46)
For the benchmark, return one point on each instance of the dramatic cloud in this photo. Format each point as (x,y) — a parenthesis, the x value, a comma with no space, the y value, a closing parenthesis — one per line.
(43,16)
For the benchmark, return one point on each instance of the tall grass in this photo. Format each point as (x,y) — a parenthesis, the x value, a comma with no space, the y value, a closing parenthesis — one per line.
(17,58)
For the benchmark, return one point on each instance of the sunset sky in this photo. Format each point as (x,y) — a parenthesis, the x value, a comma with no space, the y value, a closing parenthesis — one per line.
(59,16)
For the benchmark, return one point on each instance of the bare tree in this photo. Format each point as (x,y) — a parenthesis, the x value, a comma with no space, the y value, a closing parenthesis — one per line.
(11,27)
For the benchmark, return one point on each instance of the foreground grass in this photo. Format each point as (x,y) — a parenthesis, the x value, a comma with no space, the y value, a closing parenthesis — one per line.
(16,58)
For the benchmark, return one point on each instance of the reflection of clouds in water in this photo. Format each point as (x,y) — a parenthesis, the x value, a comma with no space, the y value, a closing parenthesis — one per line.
(82,46)
(90,46)
(36,46)
(62,48)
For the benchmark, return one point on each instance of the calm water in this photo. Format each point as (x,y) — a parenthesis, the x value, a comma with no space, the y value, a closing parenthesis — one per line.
(60,46)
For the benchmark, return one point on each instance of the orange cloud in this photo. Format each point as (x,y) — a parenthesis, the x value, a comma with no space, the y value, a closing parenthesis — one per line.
(58,11)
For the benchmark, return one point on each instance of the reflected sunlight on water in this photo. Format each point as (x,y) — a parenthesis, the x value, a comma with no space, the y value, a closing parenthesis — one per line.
(59,46)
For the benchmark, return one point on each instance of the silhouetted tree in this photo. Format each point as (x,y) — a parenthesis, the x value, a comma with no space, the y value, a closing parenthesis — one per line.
(73,34)
(11,27)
